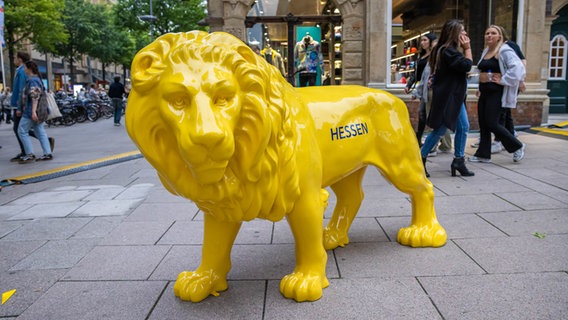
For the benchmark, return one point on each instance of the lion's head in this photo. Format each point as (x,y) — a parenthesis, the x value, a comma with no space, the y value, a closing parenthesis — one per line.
(214,119)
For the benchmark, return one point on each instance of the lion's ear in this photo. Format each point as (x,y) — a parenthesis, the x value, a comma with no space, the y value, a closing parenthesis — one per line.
(146,70)
(248,54)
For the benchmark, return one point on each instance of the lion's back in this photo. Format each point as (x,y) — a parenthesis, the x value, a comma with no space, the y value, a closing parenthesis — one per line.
(334,106)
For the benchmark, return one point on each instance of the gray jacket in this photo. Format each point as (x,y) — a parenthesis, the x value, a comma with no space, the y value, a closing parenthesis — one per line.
(421,90)
(512,73)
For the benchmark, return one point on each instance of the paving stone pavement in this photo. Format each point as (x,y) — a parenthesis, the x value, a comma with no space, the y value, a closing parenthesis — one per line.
(108,243)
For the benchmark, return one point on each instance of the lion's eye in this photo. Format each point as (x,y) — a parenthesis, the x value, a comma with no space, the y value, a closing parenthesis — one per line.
(179,101)
(220,101)
(224,99)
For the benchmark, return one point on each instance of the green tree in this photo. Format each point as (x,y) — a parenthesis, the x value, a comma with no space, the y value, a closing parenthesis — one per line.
(117,46)
(35,21)
(171,16)
(84,23)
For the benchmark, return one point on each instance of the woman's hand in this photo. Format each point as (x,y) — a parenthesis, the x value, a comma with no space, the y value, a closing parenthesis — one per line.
(464,41)
(406,90)
(477,93)
(522,87)
(34,116)
(496,78)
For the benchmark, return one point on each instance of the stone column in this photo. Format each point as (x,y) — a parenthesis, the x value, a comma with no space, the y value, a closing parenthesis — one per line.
(214,17)
(353,47)
(378,55)
(537,33)
(234,14)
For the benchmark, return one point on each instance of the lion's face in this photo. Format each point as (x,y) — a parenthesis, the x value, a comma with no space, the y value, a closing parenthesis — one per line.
(213,118)
(201,103)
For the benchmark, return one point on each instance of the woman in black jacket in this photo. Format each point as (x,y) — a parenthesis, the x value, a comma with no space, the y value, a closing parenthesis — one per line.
(449,88)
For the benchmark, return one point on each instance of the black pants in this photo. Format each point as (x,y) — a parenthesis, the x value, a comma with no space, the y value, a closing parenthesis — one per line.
(506,119)
(489,111)
(8,113)
(307,79)
(16,125)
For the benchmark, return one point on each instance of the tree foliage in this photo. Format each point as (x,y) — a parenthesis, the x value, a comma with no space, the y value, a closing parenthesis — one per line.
(37,21)
(109,33)
(171,16)
(83,24)
(34,21)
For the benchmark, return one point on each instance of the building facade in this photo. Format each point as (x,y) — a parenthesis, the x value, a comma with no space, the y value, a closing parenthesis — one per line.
(374,43)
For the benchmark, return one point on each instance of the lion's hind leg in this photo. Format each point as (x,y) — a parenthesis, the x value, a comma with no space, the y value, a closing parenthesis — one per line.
(409,177)
(349,193)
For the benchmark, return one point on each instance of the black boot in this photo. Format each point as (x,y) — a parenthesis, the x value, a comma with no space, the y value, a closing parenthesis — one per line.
(459,165)
(425,171)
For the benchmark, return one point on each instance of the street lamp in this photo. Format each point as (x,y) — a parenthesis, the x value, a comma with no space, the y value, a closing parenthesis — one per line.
(151,19)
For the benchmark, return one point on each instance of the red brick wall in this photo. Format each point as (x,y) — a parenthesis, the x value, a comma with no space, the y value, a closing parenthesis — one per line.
(527,113)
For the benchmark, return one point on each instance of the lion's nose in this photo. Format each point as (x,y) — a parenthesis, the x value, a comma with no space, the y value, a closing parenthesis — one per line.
(207,130)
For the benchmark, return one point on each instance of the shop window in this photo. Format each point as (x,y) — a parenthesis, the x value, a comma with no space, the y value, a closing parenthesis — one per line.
(413,18)
(557,59)
(269,33)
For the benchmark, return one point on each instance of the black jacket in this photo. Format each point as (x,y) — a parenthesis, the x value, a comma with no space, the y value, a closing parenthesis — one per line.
(449,88)
(116,90)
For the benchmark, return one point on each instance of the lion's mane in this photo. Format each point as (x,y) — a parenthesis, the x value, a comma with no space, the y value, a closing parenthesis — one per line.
(261,179)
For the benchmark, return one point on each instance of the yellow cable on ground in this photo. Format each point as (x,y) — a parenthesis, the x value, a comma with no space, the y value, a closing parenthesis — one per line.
(75,167)
(563,124)
(551,131)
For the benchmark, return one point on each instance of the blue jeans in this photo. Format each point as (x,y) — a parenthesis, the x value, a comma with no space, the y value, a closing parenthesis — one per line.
(117,104)
(462,128)
(23,132)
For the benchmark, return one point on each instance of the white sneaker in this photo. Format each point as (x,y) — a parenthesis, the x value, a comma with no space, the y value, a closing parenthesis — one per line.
(478,159)
(496,147)
(519,154)
(476,143)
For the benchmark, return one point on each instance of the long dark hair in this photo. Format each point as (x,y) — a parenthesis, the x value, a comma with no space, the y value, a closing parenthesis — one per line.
(449,37)
(431,37)
(32,66)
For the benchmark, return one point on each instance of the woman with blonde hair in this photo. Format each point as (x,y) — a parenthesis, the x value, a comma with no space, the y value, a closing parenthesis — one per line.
(501,72)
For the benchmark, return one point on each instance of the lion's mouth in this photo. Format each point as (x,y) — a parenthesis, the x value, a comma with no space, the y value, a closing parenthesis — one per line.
(210,172)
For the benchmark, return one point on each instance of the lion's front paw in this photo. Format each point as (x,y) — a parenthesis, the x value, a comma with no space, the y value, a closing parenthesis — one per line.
(334,238)
(432,235)
(303,287)
(195,286)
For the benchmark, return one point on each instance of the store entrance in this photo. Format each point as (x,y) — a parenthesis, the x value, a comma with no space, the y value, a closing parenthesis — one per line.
(305,45)
(278,28)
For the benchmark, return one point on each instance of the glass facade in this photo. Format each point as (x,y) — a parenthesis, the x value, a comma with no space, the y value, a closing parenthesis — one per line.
(412,18)
(269,31)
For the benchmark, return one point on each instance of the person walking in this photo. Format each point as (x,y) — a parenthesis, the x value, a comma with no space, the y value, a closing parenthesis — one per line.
(506,117)
(501,72)
(18,86)
(449,88)
(29,119)
(6,98)
(416,80)
(116,93)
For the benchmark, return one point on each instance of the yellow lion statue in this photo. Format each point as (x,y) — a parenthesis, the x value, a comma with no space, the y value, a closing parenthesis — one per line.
(224,129)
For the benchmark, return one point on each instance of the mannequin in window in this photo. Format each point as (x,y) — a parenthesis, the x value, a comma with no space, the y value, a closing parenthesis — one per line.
(274,58)
(308,58)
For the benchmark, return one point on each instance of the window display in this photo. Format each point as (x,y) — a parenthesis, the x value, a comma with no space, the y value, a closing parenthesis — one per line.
(412,18)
